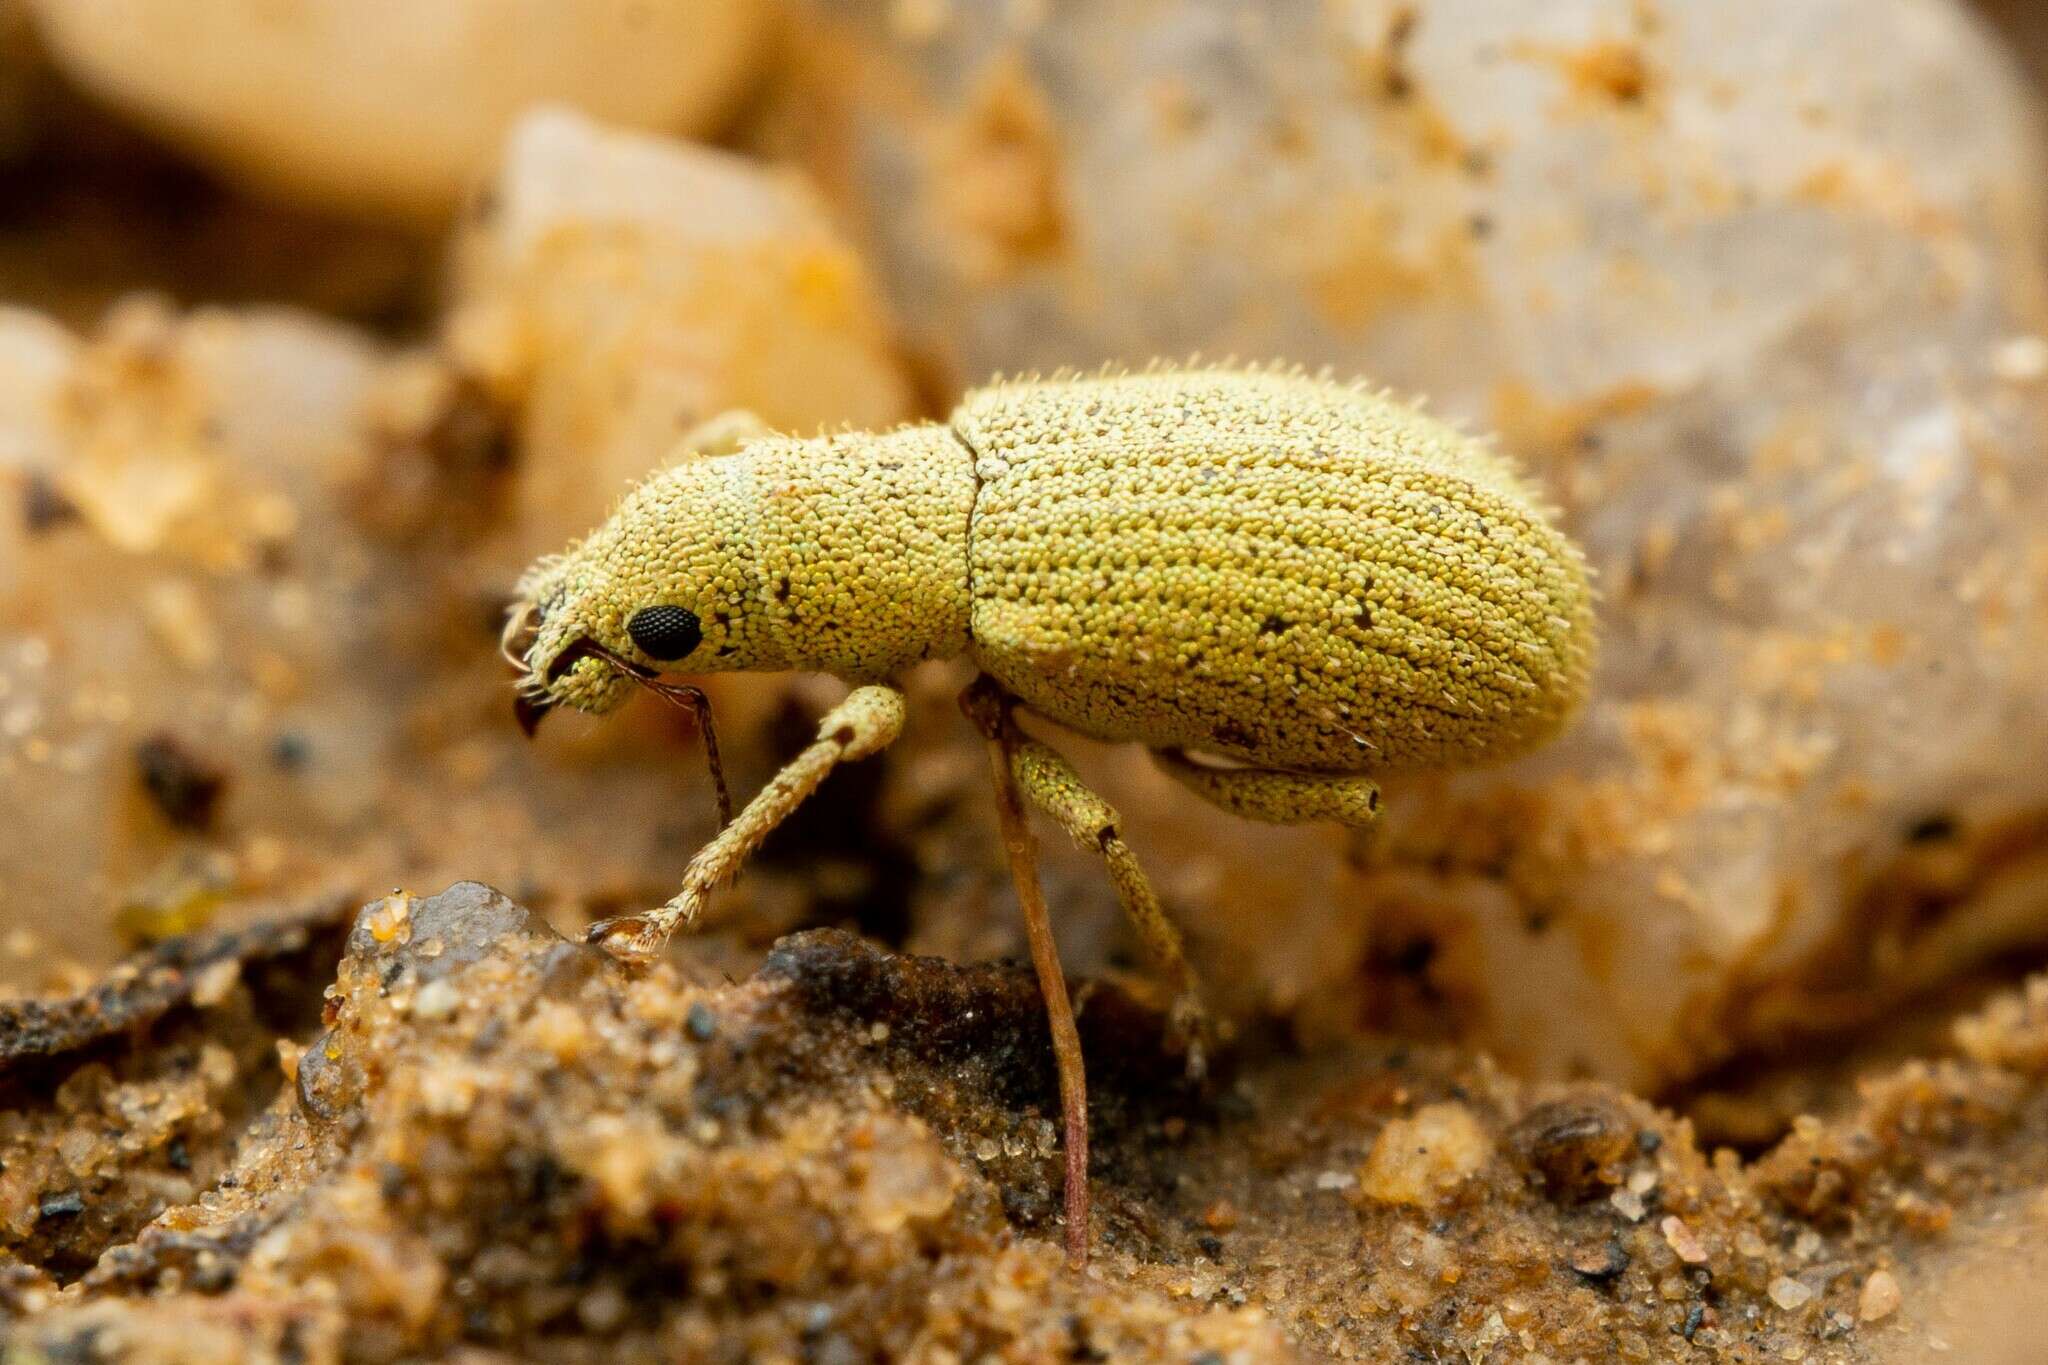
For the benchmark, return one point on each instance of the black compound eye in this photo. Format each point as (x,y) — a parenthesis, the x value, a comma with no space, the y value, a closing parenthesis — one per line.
(664,632)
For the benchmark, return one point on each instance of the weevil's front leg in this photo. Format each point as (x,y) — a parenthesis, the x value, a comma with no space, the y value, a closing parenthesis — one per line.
(1277,798)
(1052,785)
(989,709)
(866,722)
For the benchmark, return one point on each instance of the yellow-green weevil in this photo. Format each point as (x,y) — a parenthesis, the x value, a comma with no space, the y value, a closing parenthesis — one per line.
(1280,585)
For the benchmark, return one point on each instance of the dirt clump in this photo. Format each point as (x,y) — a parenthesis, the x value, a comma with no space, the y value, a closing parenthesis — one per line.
(497,1139)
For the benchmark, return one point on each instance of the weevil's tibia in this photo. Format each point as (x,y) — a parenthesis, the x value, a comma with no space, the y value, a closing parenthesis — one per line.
(866,722)
(1050,783)
(989,709)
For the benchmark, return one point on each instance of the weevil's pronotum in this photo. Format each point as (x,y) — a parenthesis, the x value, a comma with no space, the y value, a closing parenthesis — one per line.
(1280,585)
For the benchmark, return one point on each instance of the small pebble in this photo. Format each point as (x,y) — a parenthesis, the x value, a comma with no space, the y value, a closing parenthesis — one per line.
(185,788)
(1789,1293)
(436,1000)
(701,1022)
(1601,1262)
(69,1204)
(289,751)
(603,1309)
(1629,1205)
(1421,1159)
(1494,1329)
(212,983)
(2020,359)
(1880,1298)
(1683,1240)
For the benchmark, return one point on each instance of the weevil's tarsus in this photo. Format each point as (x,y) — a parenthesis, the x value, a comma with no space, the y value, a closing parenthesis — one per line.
(990,710)
(866,722)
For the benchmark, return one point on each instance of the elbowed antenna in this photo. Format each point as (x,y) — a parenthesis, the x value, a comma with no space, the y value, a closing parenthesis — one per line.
(529,708)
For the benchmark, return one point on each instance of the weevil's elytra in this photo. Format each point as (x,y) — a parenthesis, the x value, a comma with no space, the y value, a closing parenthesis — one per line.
(1312,581)
(1362,588)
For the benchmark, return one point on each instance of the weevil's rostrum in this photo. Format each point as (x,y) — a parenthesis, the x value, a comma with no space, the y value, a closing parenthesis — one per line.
(1281,570)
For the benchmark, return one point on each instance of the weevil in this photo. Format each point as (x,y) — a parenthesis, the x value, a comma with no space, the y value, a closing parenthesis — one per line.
(1282,586)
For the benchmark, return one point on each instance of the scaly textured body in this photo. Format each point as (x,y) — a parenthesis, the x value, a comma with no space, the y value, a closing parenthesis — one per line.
(1314,581)
(1268,567)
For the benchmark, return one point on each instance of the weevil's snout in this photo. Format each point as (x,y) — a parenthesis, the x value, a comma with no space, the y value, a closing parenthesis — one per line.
(574,670)
(559,663)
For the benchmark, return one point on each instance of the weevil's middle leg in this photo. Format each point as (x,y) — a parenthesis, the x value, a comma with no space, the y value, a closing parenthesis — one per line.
(989,709)
(867,721)
(1094,825)
(1277,798)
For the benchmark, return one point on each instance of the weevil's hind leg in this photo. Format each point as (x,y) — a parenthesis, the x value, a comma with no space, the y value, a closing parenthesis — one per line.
(725,433)
(1052,785)
(866,722)
(1277,798)
(989,709)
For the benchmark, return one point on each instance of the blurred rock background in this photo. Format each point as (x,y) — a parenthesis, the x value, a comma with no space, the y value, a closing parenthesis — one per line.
(317,320)
(1760,305)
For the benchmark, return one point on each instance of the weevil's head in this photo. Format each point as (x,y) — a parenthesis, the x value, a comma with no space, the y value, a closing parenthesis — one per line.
(668,584)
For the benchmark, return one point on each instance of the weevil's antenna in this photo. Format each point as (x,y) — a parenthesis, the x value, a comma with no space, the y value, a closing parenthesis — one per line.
(693,700)
(683,695)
